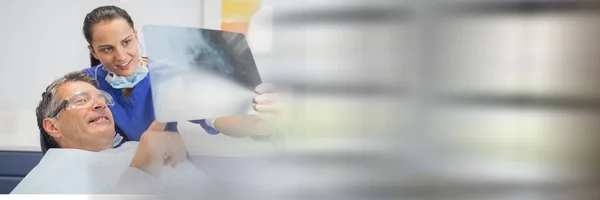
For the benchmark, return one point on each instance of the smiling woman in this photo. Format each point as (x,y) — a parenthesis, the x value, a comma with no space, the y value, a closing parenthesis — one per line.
(113,42)
(120,70)
(107,22)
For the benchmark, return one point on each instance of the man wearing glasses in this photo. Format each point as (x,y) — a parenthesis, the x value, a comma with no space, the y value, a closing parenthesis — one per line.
(77,127)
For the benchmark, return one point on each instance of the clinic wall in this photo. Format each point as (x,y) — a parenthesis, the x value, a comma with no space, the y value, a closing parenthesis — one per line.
(43,40)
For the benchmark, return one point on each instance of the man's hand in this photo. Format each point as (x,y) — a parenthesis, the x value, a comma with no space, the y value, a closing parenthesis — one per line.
(177,150)
(156,149)
(156,126)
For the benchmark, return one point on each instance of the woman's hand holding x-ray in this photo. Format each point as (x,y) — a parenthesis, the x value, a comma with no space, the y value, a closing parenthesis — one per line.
(267,102)
(268,106)
(267,109)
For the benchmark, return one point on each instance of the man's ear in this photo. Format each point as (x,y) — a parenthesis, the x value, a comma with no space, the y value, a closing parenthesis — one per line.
(93,51)
(51,127)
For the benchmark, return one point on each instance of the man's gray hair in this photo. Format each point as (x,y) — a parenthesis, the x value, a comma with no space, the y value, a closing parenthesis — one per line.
(49,102)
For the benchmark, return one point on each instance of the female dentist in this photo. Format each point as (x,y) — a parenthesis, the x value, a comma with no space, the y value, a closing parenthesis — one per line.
(123,73)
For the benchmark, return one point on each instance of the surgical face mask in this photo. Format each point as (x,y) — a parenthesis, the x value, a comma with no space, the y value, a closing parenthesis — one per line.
(120,82)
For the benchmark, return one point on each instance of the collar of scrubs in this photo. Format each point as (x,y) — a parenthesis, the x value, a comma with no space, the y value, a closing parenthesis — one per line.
(134,115)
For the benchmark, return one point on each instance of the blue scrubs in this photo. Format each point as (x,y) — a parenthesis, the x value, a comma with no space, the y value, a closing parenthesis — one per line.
(133,116)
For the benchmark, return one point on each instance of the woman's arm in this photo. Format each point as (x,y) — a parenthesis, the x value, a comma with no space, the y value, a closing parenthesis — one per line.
(241,126)
(268,109)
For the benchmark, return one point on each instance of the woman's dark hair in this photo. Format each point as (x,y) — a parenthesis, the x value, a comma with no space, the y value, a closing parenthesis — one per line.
(93,60)
(100,14)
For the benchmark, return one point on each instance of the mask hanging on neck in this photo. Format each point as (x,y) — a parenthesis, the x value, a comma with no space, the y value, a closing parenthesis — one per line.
(121,82)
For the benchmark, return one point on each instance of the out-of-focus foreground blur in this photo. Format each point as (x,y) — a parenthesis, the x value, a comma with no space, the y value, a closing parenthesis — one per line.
(420,99)
(474,99)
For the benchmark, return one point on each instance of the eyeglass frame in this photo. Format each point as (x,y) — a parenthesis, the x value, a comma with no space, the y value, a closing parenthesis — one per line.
(65,102)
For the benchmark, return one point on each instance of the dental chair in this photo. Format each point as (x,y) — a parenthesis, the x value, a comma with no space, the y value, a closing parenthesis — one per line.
(16,165)
(43,144)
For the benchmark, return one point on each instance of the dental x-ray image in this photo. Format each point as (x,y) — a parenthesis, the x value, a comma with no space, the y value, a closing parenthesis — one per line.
(199,73)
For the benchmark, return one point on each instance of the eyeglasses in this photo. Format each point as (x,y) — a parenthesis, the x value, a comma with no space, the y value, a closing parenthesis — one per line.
(81,100)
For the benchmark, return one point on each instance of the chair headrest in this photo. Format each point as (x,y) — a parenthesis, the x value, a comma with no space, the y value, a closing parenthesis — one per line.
(43,144)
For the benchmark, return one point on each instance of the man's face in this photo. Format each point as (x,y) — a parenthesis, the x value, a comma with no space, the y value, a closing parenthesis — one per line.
(85,123)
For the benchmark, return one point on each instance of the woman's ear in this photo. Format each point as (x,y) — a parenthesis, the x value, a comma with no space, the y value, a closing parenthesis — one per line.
(51,127)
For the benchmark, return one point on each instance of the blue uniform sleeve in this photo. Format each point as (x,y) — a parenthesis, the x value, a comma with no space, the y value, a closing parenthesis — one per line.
(92,73)
(89,71)
(172,127)
(207,128)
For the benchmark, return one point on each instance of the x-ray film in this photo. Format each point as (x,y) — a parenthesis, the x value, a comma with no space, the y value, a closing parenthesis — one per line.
(199,73)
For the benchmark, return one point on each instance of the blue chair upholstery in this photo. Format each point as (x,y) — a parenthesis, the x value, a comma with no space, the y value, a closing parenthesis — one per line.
(15,166)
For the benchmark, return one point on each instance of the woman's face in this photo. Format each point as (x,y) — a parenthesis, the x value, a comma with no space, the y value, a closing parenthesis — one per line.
(115,44)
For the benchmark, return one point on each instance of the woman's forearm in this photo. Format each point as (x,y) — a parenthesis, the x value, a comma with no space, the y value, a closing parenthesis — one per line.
(238,126)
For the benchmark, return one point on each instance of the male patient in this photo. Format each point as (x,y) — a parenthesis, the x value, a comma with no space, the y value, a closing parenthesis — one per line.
(76,123)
